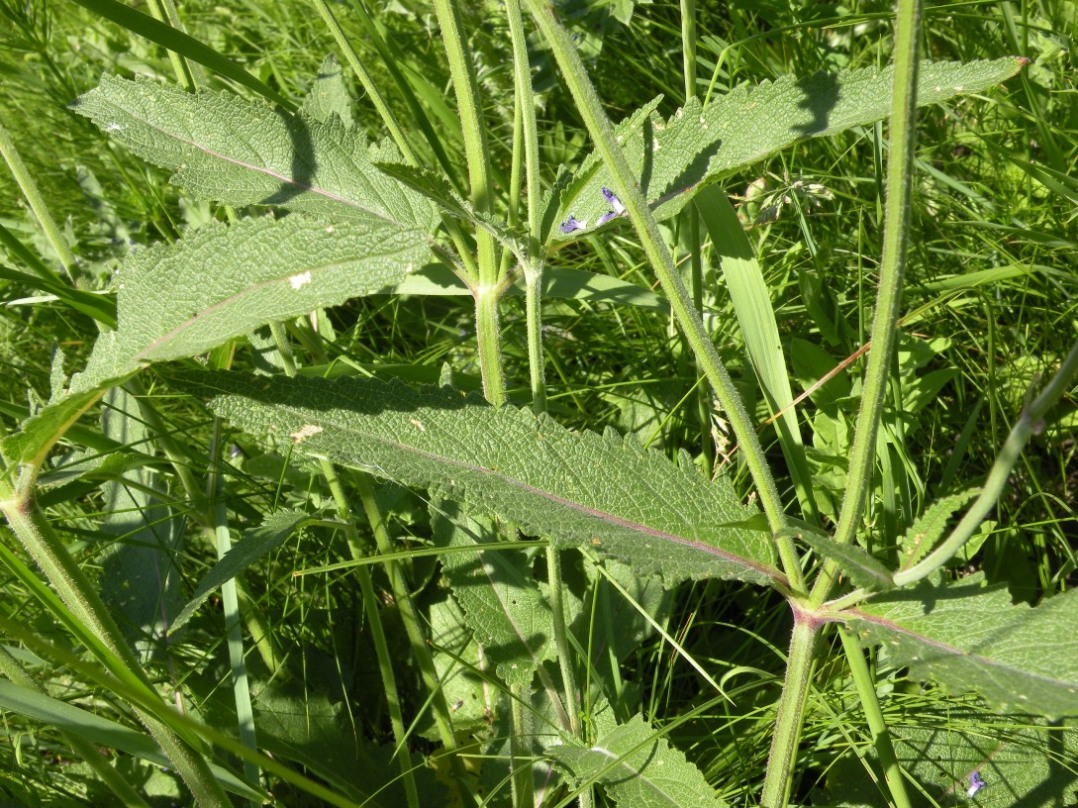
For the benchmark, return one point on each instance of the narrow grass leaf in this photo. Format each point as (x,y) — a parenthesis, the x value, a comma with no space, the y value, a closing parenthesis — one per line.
(175,40)
(969,637)
(256,543)
(61,715)
(240,152)
(756,317)
(577,488)
(749,123)
(637,769)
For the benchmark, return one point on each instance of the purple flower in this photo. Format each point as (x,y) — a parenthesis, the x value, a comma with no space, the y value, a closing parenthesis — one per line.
(571,224)
(610,197)
(975,784)
(606,217)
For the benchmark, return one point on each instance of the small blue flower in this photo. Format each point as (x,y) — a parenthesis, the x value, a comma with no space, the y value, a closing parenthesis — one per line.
(571,224)
(975,784)
(606,217)
(610,197)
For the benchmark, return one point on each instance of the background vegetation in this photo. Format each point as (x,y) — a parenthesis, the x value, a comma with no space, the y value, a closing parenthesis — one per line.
(990,309)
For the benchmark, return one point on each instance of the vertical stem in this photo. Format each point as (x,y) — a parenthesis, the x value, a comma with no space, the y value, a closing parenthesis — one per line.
(533,267)
(165,11)
(696,268)
(241,688)
(866,690)
(481,194)
(889,295)
(688,319)
(791,711)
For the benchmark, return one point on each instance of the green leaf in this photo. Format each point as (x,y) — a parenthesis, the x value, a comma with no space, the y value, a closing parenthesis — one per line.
(1018,758)
(60,715)
(329,94)
(247,153)
(926,531)
(637,769)
(498,593)
(221,282)
(756,318)
(256,543)
(672,157)
(969,637)
(577,488)
(861,568)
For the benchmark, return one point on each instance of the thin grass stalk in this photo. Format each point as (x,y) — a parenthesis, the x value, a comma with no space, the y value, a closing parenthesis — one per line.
(889,296)
(877,726)
(165,11)
(481,195)
(687,317)
(237,660)
(413,627)
(37,204)
(696,264)
(378,636)
(88,751)
(78,595)
(389,118)
(417,114)
(366,588)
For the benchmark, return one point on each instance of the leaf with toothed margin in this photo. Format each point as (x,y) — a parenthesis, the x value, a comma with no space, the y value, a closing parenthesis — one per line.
(638,769)
(671,158)
(971,637)
(240,152)
(221,282)
(603,492)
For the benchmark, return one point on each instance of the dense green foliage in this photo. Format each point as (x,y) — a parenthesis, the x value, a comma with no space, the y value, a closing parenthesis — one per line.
(259,303)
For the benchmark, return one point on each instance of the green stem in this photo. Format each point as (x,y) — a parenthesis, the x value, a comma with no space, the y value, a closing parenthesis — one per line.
(67,579)
(881,736)
(481,194)
(165,11)
(687,317)
(37,202)
(1029,423)
(889,296)
(533,266)
(241,687)
(378,635)
(791,711)
(414,629)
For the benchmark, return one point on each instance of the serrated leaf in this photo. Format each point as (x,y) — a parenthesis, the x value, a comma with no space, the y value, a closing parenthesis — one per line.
(1017,757)
(751,122)
(240,152)
(969,637)
(861,568)
(498,593)
(329,95)
(577,488)
(926,531)
(255,544)
(637,769)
